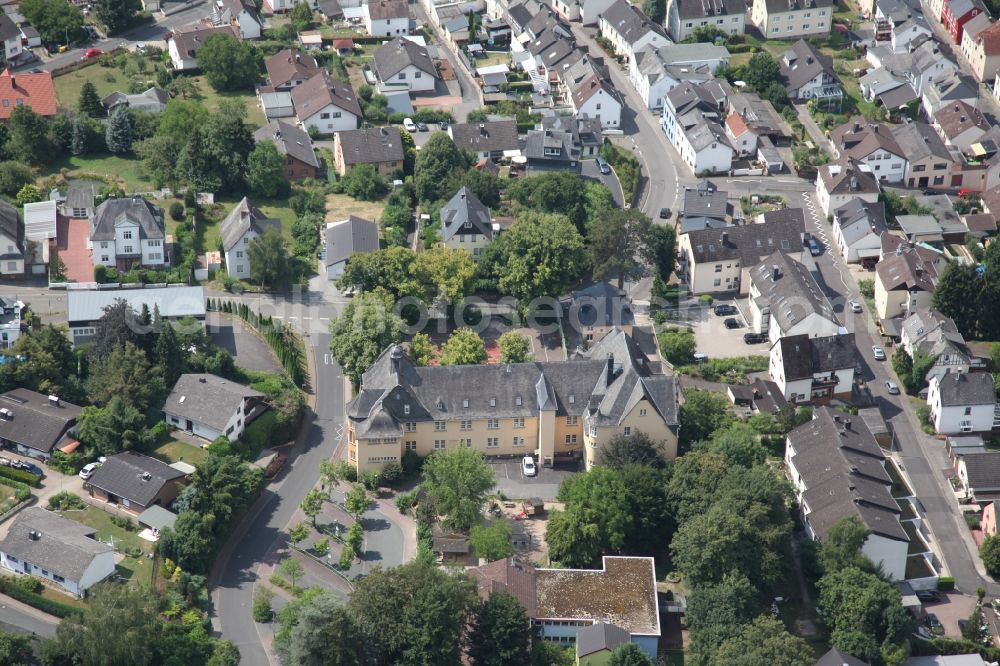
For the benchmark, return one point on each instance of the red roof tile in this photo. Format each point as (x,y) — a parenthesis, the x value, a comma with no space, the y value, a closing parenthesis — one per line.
(736,124)
(34,90)
(990,37)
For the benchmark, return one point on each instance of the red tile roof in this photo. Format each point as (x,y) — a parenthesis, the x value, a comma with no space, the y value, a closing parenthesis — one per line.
(34,90)
(736,124)
(990,38)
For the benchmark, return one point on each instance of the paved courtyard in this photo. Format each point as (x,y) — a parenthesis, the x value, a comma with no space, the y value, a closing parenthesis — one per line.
(71,238)
(512,482)
(248,351)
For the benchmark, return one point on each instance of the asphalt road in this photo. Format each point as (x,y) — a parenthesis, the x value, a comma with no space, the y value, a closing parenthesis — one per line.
(470,95)
(589,169)
(22,622)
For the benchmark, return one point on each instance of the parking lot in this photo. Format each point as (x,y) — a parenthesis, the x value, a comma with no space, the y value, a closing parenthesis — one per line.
(715,340)
(512,482)
(954,606)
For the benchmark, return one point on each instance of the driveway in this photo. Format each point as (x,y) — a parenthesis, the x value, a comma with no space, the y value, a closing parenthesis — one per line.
(954,606)
(714,339)
(512,482)
(589,169)
(71,239)
(248,351)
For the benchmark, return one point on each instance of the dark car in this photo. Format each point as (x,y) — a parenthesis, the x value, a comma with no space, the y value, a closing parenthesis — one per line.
(28,467)
(664,213)
(733,322)
(724,310)
(421,127)
(814,248)
(443,125)
(754,338)
(934,623)
(928,595)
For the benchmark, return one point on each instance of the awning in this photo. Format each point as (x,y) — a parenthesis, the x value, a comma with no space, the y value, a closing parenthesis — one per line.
(70,446)
(512,153)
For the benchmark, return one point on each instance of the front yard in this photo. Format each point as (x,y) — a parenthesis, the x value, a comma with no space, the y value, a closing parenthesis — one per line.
(138,570)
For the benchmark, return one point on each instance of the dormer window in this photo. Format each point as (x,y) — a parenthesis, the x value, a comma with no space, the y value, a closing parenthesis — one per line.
(468,225)
(493,402)
(517,401)
(465,403)
(406,410)
(572,399)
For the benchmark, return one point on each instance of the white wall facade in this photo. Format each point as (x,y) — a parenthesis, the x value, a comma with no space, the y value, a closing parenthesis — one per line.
(180,63)
(953,420)
(391,27)
(808,22)
(604,107)
(102,566)
(415,79)
(234,426)
(238,257)
(330,119)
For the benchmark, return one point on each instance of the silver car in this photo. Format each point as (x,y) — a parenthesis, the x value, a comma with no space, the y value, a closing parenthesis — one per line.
(891,388)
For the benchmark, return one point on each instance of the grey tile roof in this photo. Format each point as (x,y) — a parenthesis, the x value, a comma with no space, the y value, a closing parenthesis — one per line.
(135,209)
(842,468)
(706,200)
(81,194)
(371,146)
(330,8)
(242,218)
(37,423)
(959,389)
(349,237)
(905,269)
(983,469)
(629,21)
(859,138)
(62,546)
(393,57)
(862,214)
(133,476)
(782,6)
(550,145)
(802,356)
(918,141)
(792,293)
(599,304)
(289,65)
(290,140)
(188,39)
(86,305)
(207,399)
(157,517)
(802,63)
(926,324)
(599,636)
(388,9)
(688,9)
(846,177)
(12,226)
(8,29)
(749,242)
(837,658)
(314,95)
(465,208)
(492,136)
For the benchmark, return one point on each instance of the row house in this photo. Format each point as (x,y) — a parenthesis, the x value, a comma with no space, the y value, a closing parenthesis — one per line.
(981,48)
(692,120)
(628,29)
(588,12)
(910,33)
(934,334)
(955,14)
(960,125)
(785,300)
(858,226)
(904,281)
(585,85)
(929,163)
(837,184)
(953,87)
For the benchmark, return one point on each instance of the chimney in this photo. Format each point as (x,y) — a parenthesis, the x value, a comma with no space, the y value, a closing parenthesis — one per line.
(847,424)
(725,237)
(395,356)
(34,536)
(482,129)
(857,126)
(202,380)
(854,182)
(775,272)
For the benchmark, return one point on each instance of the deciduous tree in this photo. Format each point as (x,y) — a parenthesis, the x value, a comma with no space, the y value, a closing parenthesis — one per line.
(629,654)
(596,519)
(989,551)
(116,15)
(421,349)
(266,170)
(701,414)
(458,482)
(365,328)
(864,613)
(765,642)
(312,504)
(268,259)
(615,241)
(635,449)
(439,167)
(493,542)
(28,136)
(318,630)
(229,63)
(55,20)
(357,500)
(501,632)
(464,347)
(957,296)
(125,612)
(514,347)
(291,569)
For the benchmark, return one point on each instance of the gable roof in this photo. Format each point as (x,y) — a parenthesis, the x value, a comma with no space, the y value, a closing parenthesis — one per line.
(508,575)
(349,237)
(59,545)
(321,90)
(134,209)
(857,139)
(290,140)
(34,90)
(242,218)
(783,6)
(837,658)
(207,399)
(383,10)
(133,476)
(153,94)
(989,38)
(465,208)
(959,116)
(188,39)
(790,290)
(802,356)
(395,56)
(491,136)
(629,21)
(288,65)
(858,216)
(919,141)
(12,226)
(982,469)
(848,177)
(905,269)
(749,242)
(373,145)
(962,389)
(802,63)
(599,304)
(706,200)
(8,29)
(598,637)
(687,9)
(35,421)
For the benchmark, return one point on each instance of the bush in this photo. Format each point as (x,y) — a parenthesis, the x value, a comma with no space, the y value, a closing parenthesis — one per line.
(20,475)
(405,501)
(12,588)
(262,611)
(177,211)
(66,500)
(391,474)
(29,584)
(124,523)
(677,345)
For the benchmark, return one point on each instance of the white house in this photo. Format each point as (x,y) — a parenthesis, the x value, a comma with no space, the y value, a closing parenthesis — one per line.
(591,95)
(873,144)
(244,223)
(686,16)
(962,402)
(241,14)
(586,11)
(12,246)
(937,336)
(808,74)
(655,71)
(64,552)
(810,369)
(785,300)
(326,105)
(128,231)
(386,18)
(858,226)
(345,239)
(10,36)
(211,407)
(786,19)
(837,470)
(909,32)
(183,43)
(404,65)
(692,120)
(838,184)
(628,29)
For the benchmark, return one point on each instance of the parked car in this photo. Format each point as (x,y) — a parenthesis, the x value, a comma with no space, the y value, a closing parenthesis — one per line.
(891,388)
(31,468)
(878,352)
(699,357)
(664,213)
(92,53)
(409,125)
(724,310)
(754,338)
(934,623)
(854,305)
(443,125)
(603,165)
(928,595)
(88,470)
(528,466)
(733,322)
(814,248)
(421,127)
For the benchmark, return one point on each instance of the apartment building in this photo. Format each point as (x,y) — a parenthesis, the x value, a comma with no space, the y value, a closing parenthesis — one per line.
(686,16)
(785,19)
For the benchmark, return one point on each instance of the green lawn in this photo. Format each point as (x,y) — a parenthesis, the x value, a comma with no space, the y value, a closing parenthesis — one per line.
(138,570)
(125,170)
(177,451)
(209,234)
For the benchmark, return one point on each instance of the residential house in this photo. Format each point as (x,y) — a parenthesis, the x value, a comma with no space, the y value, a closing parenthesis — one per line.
(404,64)
(152,100)
(887,87)
(628,29)
(928,64)
(241,14)
(42,543)
(858,226)
(928,160)
(330,9)
(951,88)
(588,12)
(692,120)
(326,105)
(838,471)
(382,147)
(787,19)
(564,604)
(561,142)
(295,145)
(761,397)
(704,207)
(346,238)
(278,6)
(183,43)
(837,657)
(934,334)
(34,90)
(813,369)
(656,70)
(290,68)
(982,49)
(10,321)
(136,482)
(962,402)
(244,223)
(904,282)
(210,407)
(29,38)
(595,643)
(12,242)
(785,300)
(590,92)
(872,144)
(980,226)
(78,200)
(719,260)
(84,307)
(758,114)
(597,310)
(960,125)
(839,184)
(33,424)
(686,16)
(466,223)
(808,74)
(10,38)
(956,13)
(979,476)
(741,137)
(128,231)
(386,18)
(552,410)
(913,32)
(486,140)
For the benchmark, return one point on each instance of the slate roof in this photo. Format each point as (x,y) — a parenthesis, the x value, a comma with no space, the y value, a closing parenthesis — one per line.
(34,90)
(289,65)
(135,209)
(782,6)
(330,8)
(749,242)
(492,136)
(860,216)
(36,423)
(81,194)
(85,305)
(802,356)
(537,142)
(918,141)
(8,29)
(837,658)
(983,469)
(706,200)
(802,63)
(857,139)
(959,116)
(629,21)
(242,218)
(599,304)
(383,10)
(599,636)
(290,140)
(133,476)
(349,237)
(12,226)
(688,9)
(153,94)
(373,145)
(188,39)
(207,399)
(64,547)
(930,323)
(465,207)
(846,177)
(793,295)
(393,57)
(905,269)
(843,470)
(321,90)
(961,389)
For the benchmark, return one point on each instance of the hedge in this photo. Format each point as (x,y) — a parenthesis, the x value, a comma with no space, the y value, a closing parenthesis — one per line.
(20,475)
(23,491)
(10,587)
(946,583)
